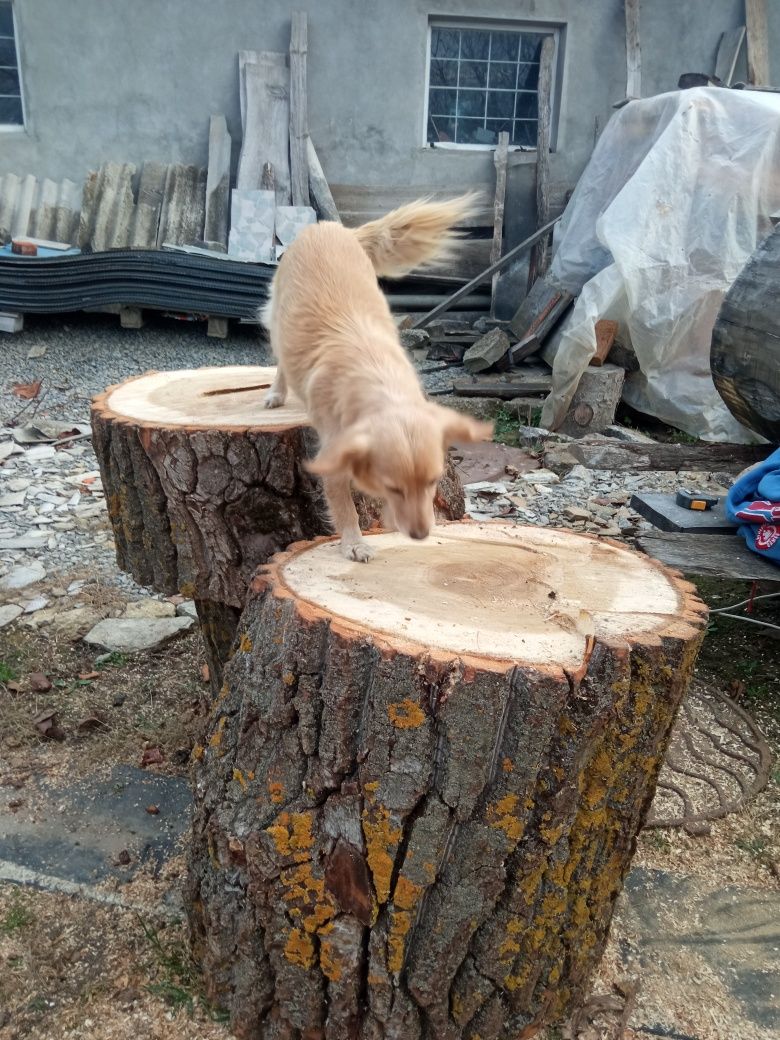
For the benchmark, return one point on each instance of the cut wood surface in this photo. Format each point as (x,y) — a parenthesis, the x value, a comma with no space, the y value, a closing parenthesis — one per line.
(420,788)
(204,484)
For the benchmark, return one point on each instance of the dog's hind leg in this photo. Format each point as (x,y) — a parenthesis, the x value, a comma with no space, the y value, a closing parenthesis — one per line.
(277,394)
(345,518)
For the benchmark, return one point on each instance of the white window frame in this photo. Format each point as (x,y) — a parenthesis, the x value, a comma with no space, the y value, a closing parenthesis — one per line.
(11,128)
(555,30)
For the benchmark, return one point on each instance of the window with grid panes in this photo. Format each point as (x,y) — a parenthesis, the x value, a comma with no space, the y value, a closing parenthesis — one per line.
(481,82)
(11,113)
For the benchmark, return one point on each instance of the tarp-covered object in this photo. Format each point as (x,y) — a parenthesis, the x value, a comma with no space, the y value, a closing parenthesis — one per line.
(675,198)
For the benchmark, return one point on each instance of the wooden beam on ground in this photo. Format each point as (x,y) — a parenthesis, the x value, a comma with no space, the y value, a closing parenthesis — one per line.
(723,555)
(757,43)
(483,276)
(500,157)
(538,264)
(217,221)
(518,384)
(320,190)
(633,51)
(299,120)
(728,53)
(606,453)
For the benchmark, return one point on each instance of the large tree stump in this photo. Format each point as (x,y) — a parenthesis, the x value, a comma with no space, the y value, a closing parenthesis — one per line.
(422,783)
(204,484)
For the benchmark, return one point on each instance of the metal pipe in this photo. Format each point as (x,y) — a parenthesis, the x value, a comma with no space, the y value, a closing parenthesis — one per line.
(483,277)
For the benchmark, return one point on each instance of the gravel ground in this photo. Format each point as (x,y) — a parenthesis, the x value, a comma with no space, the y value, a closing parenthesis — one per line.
(83,354)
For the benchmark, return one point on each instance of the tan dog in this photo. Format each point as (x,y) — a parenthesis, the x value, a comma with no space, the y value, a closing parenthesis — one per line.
(337,348)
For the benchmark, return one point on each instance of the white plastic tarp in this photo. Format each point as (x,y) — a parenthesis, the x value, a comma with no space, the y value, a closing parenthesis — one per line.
(676,197)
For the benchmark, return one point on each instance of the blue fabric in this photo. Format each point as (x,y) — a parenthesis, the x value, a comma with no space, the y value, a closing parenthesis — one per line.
(754,503)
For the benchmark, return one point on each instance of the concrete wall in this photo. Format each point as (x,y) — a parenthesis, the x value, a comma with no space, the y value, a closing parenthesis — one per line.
(134,81)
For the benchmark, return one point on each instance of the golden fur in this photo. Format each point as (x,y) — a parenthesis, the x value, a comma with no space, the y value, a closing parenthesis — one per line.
(337,348)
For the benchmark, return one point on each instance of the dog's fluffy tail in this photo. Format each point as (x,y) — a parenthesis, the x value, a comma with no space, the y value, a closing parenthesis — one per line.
(420,234)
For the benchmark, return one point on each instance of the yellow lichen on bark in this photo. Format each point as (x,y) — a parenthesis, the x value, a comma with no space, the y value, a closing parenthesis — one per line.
(406,714)
(292,835)
(502,816)
(299,948)
(382,838)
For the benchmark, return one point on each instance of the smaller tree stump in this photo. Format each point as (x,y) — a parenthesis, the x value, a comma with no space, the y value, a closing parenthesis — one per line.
(204,484)
(421,787)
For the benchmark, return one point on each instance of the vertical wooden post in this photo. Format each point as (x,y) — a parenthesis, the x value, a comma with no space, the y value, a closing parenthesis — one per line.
(500,157)
(538,263)
(633,51)
(757,43)
(299,124)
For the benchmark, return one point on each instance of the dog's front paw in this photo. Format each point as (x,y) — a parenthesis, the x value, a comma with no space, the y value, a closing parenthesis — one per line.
(358,551)
(273,399)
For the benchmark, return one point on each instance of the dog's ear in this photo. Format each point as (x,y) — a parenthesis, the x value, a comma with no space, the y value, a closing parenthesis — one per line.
(345,454)
(457,427)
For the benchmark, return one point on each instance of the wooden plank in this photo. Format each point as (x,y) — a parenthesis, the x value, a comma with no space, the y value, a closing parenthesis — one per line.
(545,303)
(483,276)
(728,53)
(321,194)
(605,453)
(267,133)
(359,204)
(500,156)
(536,381)
(633,51)
(268,178)
(605,340)
(146,216)
(216,223)
(539,254)
(757,43)
(724,555)
(299,120)
(663,512)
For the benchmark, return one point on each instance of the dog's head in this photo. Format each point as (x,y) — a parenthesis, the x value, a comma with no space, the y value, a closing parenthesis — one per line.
(400,458)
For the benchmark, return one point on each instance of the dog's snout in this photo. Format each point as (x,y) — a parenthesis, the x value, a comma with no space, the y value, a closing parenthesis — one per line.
(418,533)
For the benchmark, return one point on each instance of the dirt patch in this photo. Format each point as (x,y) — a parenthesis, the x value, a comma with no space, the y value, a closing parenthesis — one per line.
(70,969)
(108,712)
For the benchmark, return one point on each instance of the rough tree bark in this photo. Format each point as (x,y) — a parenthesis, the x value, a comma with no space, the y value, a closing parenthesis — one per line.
(203,485)
(423,779)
